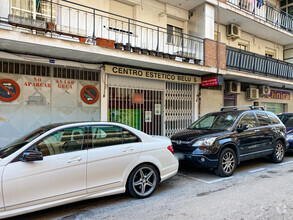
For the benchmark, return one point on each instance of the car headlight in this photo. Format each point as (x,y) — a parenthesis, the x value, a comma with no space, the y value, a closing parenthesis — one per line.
(289,136)
(205,142)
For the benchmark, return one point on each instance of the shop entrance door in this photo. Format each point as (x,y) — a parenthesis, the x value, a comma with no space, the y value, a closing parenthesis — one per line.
(178,107)
(138,108)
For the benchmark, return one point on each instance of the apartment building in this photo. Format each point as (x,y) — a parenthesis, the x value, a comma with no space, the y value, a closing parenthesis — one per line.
(156,65)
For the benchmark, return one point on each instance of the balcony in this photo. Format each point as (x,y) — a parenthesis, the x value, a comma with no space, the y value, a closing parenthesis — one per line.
(76,22)
(266,12)
(245,61)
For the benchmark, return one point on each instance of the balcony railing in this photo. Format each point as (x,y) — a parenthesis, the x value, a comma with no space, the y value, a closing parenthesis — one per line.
(74,21)
(267,12)
(245,61)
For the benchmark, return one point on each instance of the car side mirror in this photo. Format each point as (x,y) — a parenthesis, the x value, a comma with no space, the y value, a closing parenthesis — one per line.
(242,127)
(31,155)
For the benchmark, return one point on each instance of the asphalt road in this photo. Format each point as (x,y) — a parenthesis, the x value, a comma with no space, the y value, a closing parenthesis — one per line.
(257,190)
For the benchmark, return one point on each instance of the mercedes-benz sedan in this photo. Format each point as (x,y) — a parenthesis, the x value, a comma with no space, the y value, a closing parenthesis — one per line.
(63,163)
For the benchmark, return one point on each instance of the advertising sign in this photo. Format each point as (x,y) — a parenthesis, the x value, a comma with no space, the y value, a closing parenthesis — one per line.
(277,94)
(149,74)
(212,81)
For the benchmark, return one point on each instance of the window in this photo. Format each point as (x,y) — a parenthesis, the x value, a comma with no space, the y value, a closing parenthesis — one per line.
(269,55)
(174,35)
(263,119)
(129,137)
(25,8)
(287,120)
(243,46)
(287,6)
(222,121)
(103,136)
(248,119)
(273,119)
(63,141)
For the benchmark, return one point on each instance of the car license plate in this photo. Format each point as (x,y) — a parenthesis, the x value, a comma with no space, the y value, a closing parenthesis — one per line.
(179,156)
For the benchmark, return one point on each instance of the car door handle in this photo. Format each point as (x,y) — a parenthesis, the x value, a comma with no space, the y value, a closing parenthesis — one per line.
(128,149)
(74,160)
(256,130)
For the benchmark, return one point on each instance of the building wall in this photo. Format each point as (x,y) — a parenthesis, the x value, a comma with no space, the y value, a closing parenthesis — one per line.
(241,100)
(211,100)
(254,44)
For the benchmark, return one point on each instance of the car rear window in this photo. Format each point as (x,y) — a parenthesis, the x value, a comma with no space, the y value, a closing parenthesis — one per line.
(274,119)
(263,119)
(287,120)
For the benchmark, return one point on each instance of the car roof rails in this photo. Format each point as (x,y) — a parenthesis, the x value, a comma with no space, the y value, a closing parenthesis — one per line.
(251,107)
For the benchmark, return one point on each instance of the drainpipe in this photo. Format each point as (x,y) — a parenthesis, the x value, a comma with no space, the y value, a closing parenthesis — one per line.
(217,49)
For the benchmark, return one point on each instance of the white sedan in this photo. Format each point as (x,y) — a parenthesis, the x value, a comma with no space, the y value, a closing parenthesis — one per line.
(69,162)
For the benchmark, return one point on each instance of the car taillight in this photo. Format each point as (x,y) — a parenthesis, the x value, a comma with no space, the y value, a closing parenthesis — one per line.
(170,148)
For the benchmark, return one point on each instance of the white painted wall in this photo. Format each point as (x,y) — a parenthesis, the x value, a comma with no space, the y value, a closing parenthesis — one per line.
(288,53)
(255,44)
(201,22)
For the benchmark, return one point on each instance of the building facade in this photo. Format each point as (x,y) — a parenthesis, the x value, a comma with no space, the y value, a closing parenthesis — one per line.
(155,65)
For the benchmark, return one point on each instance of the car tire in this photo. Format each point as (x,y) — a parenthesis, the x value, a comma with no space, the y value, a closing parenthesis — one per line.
(142,181)
(279,152)
(227,163)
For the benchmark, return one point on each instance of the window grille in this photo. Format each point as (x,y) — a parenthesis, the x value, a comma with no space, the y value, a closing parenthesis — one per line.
(22,68)
(33,69)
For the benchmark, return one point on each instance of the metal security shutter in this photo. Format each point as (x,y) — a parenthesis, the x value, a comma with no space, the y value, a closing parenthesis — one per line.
(178,107)
(48,94)
(144,114)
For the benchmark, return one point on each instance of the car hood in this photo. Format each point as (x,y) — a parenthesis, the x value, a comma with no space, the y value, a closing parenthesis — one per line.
(192,134)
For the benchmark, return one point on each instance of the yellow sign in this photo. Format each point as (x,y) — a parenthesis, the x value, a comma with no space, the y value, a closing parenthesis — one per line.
(149,74)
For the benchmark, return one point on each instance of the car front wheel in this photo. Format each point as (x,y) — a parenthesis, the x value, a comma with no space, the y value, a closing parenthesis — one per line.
(143,181)
(227,163)
(279,152)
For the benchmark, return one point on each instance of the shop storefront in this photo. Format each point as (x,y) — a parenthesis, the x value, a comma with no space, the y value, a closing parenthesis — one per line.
(277,101)
(157,103)
(33,94)
(235,93)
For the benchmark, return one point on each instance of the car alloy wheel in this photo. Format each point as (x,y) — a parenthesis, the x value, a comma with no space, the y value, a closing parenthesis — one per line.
(142,181)
(279,152)
(227,163)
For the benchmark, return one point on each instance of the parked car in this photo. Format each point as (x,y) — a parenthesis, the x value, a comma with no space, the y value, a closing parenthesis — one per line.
(63,163)
(287,119)
(221,140)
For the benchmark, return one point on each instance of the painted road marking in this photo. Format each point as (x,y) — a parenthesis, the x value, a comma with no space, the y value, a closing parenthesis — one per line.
(235,176)
(257,170)
(208,182)
(284,163)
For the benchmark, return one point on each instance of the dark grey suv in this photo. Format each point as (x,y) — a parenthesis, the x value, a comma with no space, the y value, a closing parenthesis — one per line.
(221,140)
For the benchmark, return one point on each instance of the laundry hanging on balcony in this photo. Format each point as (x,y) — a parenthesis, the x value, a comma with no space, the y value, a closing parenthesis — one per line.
(259,3)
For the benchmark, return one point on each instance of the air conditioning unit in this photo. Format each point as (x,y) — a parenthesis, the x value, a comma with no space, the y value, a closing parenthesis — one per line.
(252,93)
(232,87)
(264,90)
(233,31)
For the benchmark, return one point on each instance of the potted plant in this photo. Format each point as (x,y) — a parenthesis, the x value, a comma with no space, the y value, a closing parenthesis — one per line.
(127,47)
(103,42)
(118,46)
(166,55)
(159,54)
(145,51)
(152,53)
(82,39)
(136,49)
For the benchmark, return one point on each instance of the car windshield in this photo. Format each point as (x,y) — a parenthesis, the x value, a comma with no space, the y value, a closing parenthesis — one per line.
(217,121)
(287,120)
(20,142)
